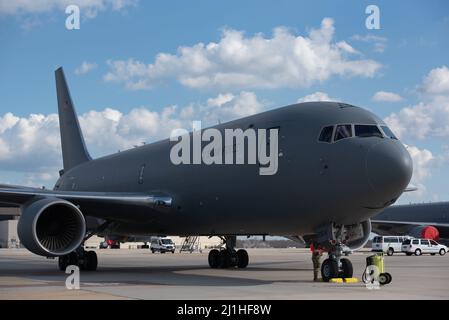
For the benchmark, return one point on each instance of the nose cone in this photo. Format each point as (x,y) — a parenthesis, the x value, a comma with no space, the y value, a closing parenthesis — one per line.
(389,169)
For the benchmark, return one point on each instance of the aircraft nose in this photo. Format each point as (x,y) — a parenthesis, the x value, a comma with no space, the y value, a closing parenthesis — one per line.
(389,168)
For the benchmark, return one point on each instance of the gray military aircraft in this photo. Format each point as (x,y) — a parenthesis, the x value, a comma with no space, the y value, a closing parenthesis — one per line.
(338,166)
(421,220)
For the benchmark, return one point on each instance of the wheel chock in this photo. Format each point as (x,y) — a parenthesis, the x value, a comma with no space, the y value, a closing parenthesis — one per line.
(343,280)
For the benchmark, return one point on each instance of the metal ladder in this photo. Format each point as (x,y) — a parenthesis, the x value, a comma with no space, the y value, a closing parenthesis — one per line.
(189,244)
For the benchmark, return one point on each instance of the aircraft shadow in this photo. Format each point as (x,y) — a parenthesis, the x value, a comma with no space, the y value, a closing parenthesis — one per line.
(187,275)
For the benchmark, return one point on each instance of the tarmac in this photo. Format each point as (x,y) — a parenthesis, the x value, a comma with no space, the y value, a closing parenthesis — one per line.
(271,274)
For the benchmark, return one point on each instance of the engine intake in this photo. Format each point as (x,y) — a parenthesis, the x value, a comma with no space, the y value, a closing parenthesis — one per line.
(51,227)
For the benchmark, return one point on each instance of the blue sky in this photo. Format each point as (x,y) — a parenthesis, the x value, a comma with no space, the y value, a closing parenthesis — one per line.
(408,57)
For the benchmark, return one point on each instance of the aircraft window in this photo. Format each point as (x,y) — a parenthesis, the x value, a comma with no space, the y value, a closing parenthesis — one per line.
(365,131)
(342,132)
(326,134)
(389,133)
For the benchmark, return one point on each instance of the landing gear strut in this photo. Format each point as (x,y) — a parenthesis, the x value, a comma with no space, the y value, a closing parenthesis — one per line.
(228,257)
(85,260)
(335,266)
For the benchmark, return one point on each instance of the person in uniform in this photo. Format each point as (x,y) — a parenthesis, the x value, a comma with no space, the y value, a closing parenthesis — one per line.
(317,253)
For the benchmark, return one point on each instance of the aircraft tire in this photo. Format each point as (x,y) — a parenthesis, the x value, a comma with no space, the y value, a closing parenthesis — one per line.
(242,259)
(63,263)
(214,259)
(347,270)
(91,261)
(329,270)
(225,259)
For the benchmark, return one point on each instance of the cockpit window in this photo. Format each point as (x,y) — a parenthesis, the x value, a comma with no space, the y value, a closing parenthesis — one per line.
(326,134)
(342,132)
(365,131)
(389,133)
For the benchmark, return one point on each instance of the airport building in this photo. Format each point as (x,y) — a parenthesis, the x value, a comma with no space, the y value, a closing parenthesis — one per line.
(199,244)
(8,228)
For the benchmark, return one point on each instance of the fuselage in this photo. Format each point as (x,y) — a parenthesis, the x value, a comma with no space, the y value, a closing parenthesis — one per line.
(317,182)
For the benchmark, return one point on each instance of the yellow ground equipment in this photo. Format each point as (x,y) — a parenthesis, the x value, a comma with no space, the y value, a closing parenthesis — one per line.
(376,268)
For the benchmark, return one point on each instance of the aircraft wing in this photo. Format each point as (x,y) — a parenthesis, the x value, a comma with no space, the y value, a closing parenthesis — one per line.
(408,223)
(385,227)
(97,204)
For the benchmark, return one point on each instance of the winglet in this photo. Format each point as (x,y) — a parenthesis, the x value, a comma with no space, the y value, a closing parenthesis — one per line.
(74,151)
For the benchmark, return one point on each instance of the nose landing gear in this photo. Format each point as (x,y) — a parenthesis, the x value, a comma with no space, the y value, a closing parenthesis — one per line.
(228,257)
(335,266)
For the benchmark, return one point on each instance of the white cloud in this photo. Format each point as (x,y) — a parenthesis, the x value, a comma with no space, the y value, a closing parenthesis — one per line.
(430,117)
(422,162)
(85,67)
(384,96)
(228,107)
(88,8)
(317,96)
(238,61)
(380,43)
(436,82)
(31,145)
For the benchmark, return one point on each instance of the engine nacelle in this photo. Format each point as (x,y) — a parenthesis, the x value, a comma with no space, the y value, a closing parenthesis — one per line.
(425,232)
(358,234)
(51,227)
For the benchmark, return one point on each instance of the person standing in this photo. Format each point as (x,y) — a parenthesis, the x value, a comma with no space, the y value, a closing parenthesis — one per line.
(317,253)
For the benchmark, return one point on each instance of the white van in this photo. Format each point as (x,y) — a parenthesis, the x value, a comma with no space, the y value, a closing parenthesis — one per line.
(422,246)
(162,245)
(388,244)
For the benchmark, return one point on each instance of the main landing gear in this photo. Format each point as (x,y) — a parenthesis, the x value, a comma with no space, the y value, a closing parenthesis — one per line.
(228,257)
(85,260)
(335,266)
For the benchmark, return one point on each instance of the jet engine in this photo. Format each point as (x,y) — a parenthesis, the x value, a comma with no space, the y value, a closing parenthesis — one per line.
(358,235)
(51,227)
(425,232)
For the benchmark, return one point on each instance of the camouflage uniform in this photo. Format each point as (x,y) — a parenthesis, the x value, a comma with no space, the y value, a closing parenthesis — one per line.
(316,257)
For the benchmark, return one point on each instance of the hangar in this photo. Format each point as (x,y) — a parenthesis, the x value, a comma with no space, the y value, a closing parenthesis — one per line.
(8,228)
